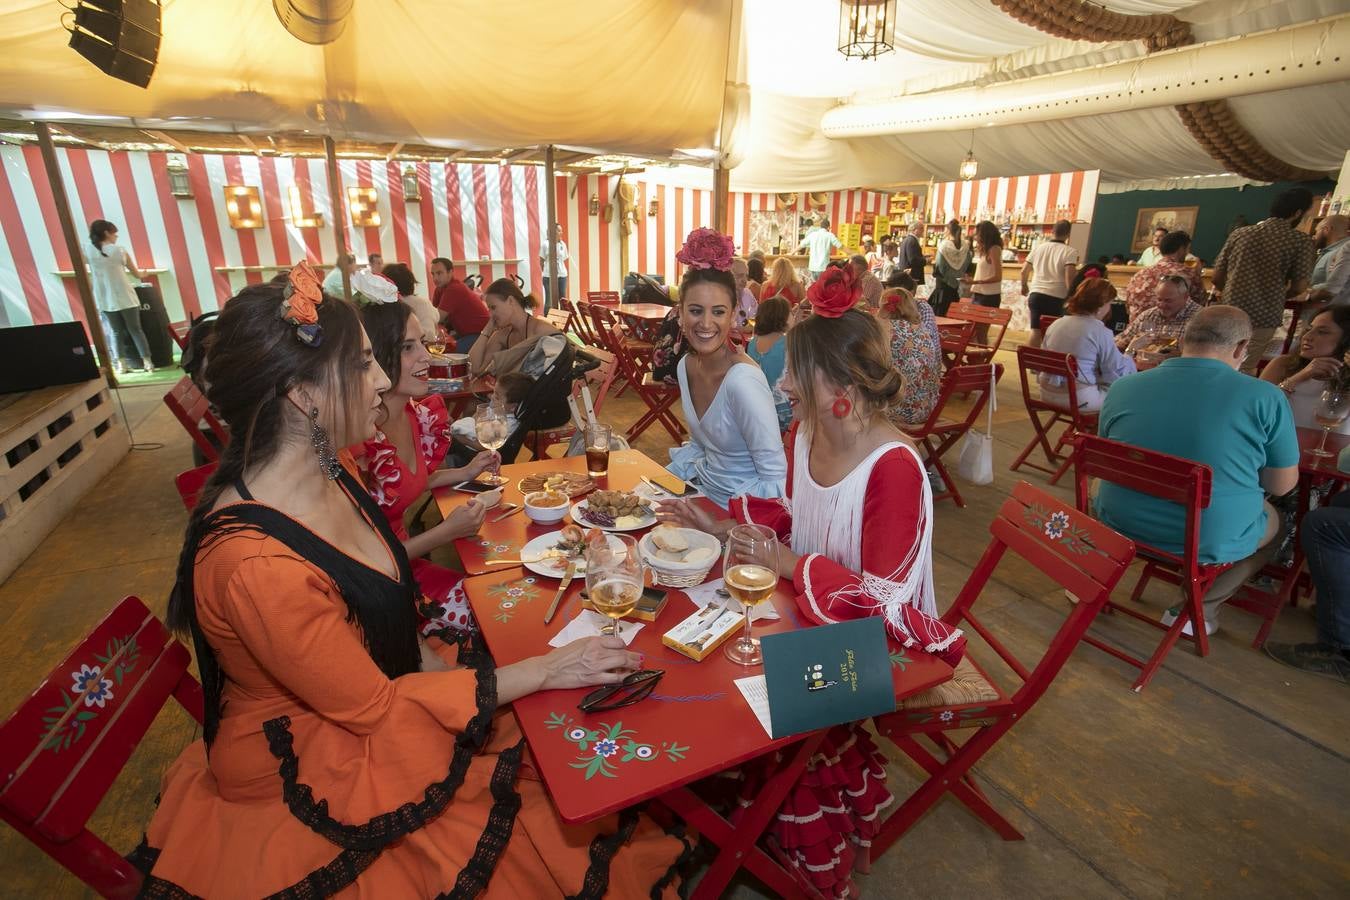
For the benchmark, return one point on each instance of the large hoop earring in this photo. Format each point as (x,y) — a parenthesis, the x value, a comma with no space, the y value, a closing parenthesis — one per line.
(323,446)
(842,405)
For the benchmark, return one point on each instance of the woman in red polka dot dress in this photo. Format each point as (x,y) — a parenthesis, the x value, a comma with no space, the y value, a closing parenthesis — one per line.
(403,460)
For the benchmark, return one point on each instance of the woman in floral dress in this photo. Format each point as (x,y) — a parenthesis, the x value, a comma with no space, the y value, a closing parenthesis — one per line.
(855,538)
(915,352)
(402,461)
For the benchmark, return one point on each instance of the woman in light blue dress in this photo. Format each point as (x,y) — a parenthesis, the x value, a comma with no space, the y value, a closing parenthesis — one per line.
(767,348)
(735,445)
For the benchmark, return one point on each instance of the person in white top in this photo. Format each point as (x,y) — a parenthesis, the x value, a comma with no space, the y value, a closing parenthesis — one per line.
(563,257)
(1317,364)
(1049,270)
(819,242)
(1154,253)
(115,298)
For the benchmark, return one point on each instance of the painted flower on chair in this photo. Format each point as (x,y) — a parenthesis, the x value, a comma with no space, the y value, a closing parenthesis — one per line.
(606,748)
(1056,525)
(90,683)
(947,715)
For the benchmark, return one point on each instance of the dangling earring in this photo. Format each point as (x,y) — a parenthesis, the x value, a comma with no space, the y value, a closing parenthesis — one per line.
(323,446)
(842,405)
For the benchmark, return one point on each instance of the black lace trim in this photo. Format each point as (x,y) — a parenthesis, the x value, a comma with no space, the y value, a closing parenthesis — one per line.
(386,828)
(327,880)
(677,868)
(474,877)
(143,857)
(603,848)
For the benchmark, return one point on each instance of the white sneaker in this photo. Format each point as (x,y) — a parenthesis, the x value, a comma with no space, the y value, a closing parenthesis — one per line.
(1211,626)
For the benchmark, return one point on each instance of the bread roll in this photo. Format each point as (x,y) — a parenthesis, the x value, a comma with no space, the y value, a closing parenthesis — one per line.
(668,538)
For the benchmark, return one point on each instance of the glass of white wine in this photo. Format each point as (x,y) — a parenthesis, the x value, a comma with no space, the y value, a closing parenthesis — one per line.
(614,579)
(1332,409)
(489,421)
(750,574)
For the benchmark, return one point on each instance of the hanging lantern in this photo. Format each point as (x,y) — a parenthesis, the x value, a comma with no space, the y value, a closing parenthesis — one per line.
(179,184)
(411,189)
(970,166)
(866,28)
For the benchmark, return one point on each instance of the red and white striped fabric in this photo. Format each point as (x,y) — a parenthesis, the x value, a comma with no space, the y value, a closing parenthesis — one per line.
(1047,192)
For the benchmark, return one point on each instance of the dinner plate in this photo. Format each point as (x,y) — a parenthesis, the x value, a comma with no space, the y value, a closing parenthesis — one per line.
(555,566)
(579,516)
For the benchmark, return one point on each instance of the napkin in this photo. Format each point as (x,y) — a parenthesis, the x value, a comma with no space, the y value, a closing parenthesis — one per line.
(588,624)
(706,593)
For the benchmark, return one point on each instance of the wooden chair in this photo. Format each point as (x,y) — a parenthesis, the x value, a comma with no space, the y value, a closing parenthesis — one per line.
(192,410)
(581,321)
(954,341)
(1175,480)
(983,348)
(179,332)
(1047,321)
(939,434)
(635,352)
(634,366)
(1031,362)
(1074,552)
(62,748)
(598,380)
(607,297)
(191,482)
(560,318)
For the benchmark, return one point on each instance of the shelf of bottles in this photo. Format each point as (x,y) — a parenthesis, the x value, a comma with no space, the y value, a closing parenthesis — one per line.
(1022,228)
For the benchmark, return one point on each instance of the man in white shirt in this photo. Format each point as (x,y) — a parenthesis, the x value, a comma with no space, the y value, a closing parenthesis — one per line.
(819,242)
(376,263)
(563,257)
(332,282)
(1154,253)
(1046,276)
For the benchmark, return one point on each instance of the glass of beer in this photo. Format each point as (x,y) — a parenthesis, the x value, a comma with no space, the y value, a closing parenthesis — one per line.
(489,422)
(1331,411)
(597,449)
(750,574)
(614,579)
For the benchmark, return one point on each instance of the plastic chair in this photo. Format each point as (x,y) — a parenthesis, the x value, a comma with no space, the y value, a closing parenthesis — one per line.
(1033,361)
(984,317)
(191,482)
(1074,552)
(62,748)
(938,435)
(598,380)
(192,410)
(1176,480)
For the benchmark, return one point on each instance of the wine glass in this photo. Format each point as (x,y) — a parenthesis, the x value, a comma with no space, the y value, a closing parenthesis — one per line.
(489,421)
(750,575)
(436,346)
(1331,411)
(614,578)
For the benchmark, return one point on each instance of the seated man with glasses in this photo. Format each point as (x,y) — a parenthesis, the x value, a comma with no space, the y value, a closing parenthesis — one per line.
(1200,407)
(1167,319)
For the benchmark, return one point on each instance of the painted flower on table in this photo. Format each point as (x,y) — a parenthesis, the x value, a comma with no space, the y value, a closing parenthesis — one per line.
(90,684)
(606,748)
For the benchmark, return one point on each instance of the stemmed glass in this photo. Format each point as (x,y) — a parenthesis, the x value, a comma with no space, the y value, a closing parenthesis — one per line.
(614,578)
(489,421)
(436,346)
(750,574)
(1331,411)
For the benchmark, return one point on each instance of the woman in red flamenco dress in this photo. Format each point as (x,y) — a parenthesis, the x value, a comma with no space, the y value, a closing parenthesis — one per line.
(856,540)
(403,461)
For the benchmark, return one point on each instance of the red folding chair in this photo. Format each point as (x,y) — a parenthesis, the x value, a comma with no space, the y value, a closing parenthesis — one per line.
(62,748)
(939,434)
(982,348)
(1034,361)
(657,396)
(559,318)
(1047,321)
(1176,480)
(1070,549)
(635,352)
(608,297)
(192,410)
(191,482)
(179,332)
(954,341)
(581,321)
(598,380)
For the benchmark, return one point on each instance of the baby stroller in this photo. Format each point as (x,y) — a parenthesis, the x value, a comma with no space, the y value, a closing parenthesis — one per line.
(644,289)
(545,406)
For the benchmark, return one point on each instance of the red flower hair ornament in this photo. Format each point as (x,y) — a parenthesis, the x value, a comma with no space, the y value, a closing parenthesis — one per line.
(834,293)
(301,302)
(707,249)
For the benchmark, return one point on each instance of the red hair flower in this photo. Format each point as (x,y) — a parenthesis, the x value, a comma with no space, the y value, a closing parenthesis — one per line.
(300,306)
(834,293)
(707,249)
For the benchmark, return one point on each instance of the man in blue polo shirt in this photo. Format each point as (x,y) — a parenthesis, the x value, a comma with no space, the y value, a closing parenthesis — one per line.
(1200,407)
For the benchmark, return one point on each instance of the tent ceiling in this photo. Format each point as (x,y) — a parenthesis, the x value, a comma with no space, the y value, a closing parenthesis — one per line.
(645,77)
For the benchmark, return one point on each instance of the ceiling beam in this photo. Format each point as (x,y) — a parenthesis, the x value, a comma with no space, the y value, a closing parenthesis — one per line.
(163,138)
(518,154)
(249,143)
(393,151)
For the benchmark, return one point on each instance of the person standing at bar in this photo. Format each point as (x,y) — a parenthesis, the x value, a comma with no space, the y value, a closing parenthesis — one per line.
(559,248)
(819,243)
(1046,275)
(115,298)
(911,253)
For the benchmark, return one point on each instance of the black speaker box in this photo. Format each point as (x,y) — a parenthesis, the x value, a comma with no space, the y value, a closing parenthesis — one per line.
(120,37)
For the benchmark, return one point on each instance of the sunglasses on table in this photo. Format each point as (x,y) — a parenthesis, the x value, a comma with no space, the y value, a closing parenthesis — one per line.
(633,689)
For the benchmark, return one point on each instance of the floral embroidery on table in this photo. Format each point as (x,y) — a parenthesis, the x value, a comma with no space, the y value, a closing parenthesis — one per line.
(510,595)
(494,550)
(602,747)
(1058,527)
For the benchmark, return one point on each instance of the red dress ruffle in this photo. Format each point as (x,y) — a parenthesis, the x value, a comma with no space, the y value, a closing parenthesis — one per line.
(396,487)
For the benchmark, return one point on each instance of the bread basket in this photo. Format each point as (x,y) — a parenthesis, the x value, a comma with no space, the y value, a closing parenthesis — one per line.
(668,573)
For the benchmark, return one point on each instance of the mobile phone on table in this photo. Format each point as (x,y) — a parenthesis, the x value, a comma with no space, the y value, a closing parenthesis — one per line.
(474,487)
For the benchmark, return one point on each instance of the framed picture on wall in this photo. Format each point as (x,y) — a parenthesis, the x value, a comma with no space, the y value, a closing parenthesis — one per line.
(1175,218)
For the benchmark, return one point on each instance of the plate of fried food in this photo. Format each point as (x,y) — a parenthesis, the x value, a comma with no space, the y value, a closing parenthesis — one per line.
(548,554)
(573,484)
(614,511)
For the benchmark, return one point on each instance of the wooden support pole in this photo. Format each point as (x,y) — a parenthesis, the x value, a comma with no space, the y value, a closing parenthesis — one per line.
(721,194)
(551,239)
(76,249)
(339,213)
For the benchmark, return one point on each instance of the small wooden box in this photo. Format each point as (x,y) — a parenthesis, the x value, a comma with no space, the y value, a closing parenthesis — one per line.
(703,632)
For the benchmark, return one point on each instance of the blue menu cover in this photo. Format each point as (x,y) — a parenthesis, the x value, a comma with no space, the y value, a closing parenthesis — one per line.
(822,676)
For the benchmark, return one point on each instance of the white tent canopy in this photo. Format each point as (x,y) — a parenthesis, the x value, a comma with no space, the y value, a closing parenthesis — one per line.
(647,77)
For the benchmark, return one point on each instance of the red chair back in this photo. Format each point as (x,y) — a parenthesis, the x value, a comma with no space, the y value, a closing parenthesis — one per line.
(1068,547)
(62,748)
(608,297)
(1047,321)
(191,408)
(1034,361)
(559,318)
(191,482)
(600,378)
(179,332)
(954,340)
(581,320)
(961,380)
(990,316)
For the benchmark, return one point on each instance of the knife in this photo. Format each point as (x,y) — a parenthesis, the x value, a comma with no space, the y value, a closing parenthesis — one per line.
(562,589)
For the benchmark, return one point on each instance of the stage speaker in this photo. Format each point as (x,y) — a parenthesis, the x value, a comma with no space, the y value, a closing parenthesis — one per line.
(120,37)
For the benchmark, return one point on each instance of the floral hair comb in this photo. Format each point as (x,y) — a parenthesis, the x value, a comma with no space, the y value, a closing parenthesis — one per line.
(893,300)
(707,249)
(834,293)
(302,299)
(367,288)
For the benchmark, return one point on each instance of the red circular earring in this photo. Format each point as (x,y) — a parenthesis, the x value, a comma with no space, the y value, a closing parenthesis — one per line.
(842,406)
